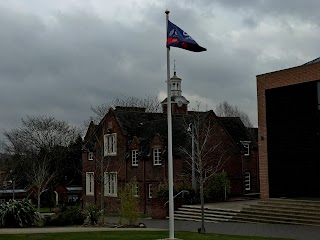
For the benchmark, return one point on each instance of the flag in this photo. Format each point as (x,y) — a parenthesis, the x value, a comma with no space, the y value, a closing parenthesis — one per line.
(176,37)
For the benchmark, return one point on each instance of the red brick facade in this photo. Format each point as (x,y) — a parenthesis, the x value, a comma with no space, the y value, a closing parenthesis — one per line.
(146,173)
(301,74)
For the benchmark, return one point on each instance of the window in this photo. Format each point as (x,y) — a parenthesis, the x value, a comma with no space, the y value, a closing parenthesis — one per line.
(157,156)
(134,159)
(90,156)
(2,200)
(136,190)
(246,145)
(110,144)
(247,184)
(150,190)
(110,184)
(89,183)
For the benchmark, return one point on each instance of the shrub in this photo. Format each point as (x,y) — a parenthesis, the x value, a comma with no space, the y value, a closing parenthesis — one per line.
(65,217)
(94,213)
(18,214)
(218,186)
(129,204)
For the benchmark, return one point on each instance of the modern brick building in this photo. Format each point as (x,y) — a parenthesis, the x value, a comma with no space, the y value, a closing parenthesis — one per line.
(132,144)
(289,131)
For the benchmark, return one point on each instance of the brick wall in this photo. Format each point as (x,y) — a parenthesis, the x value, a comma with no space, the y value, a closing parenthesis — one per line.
(146,173)
(286,77)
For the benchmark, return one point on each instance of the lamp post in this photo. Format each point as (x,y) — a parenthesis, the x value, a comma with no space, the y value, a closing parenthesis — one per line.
(191,129)
(13,187)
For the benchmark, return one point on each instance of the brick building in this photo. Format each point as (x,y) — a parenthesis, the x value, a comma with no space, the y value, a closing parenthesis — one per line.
(289,131)
(132,143)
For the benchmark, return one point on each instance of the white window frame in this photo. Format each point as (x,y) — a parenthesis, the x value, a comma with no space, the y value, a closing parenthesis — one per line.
(246,145)
(110,184)
(90,183)
(247,181)
(149,190)
(134,157)
(157,157)
(110,144)
(136,190)
(90,156)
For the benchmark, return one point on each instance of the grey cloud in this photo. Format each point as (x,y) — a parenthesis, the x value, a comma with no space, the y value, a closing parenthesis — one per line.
(62,67)
(305,10)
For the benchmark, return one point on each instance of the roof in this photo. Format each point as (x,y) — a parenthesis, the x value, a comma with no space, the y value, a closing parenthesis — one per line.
(74,189)
(317,60)
(314,61)
(145,125)
(237,130)
(131,121)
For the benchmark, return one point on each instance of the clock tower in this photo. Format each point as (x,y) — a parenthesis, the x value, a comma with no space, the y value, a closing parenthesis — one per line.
(178,102)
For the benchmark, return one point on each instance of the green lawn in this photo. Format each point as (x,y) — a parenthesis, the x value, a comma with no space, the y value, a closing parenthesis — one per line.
(44,209)
(133,235)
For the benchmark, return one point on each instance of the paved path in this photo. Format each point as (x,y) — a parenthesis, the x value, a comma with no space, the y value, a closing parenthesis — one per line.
(70,229)
(298,232)
(264,230)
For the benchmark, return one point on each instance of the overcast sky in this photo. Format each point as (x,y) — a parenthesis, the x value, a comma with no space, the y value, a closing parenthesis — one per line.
(60,57)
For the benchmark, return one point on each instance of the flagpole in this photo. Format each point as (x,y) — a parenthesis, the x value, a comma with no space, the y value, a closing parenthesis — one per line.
(170,162)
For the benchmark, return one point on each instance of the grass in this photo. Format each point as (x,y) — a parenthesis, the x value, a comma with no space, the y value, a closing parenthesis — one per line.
(44,209)
(129,235)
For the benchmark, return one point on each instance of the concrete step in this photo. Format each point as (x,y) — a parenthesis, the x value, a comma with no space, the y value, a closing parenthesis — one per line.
(193,213)
(277,217)
(273,221)
(194,220)
(198,217)
(266,219)
(295,212)
(211,209)
(290,202)
(286,211)
(291,206)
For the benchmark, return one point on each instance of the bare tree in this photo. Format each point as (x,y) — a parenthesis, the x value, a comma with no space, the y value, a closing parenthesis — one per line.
(39,147)
(208,157)
(225,109)
(40,175)
(150,103)
(102,162)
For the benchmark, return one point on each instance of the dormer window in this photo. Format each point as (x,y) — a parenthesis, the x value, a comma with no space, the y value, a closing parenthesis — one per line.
(246,145)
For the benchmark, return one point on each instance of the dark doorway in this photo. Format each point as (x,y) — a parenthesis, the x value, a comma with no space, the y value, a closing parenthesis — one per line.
(293,141)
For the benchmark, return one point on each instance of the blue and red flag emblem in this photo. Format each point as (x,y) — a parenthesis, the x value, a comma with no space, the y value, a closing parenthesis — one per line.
(176,37)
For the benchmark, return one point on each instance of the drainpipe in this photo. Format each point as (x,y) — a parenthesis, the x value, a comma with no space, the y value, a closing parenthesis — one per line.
(144,188)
